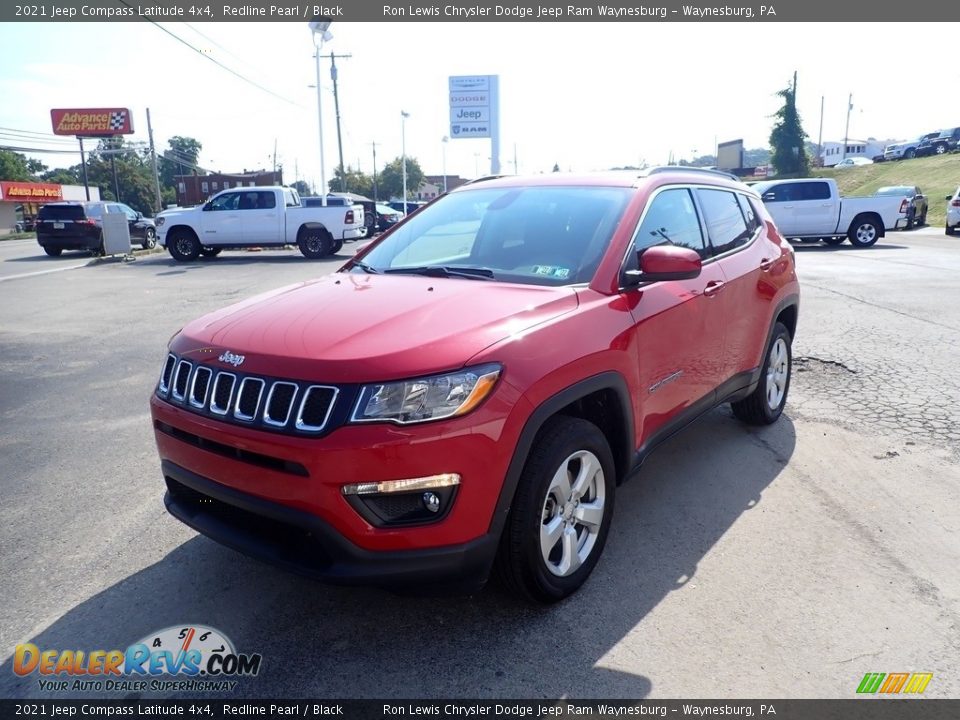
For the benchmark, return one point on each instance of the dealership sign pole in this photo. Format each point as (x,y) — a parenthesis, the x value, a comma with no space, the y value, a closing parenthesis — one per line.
(92,123)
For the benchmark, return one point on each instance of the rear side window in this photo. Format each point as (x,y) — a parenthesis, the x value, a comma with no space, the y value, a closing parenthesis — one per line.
(671,220)
(813,191)
(61,212)
(749,213)
(726,225)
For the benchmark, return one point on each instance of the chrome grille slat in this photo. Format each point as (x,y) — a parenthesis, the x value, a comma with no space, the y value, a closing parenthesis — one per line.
(289,406)
(224,384)
(311,407)
(284,405)
(246,405)
(180,380)
(169,364)
(201,382)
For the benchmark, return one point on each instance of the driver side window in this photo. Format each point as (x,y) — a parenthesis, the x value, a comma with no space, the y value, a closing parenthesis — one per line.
(671,219)
(225,202)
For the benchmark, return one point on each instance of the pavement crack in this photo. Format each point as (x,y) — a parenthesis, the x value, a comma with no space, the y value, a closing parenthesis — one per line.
(858,657)
(803,360)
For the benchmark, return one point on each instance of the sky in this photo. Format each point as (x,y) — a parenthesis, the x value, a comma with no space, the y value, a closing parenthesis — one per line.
(586,96)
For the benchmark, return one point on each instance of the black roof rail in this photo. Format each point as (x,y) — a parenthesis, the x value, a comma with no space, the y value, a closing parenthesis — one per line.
(688,168)
(485,178)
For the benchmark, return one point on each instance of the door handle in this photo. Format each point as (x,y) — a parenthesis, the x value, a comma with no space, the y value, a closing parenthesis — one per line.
(787,207)
(713,287)
(827,205)
(766,264)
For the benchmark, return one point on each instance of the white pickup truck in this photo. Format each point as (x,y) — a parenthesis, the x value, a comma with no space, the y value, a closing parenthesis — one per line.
(257,217)
(812,209)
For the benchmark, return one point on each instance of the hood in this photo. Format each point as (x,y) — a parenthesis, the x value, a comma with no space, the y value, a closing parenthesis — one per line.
(348,327)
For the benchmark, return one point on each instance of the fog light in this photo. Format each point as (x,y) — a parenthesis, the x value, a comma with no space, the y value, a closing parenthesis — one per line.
(431,501)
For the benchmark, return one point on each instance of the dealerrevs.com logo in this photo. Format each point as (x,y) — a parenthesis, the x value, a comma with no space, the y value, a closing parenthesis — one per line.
(178,658)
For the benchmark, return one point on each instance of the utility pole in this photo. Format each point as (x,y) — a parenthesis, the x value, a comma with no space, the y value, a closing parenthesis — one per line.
(153,156)
(336,107)
(274,156)
(820,134)
(374,144)
(846,132)
(516,167)
(83,164)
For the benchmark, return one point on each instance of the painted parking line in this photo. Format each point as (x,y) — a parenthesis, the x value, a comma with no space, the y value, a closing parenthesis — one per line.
(42,272)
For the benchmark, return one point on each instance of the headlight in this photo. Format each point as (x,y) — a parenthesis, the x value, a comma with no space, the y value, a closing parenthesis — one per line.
(159,221)
(431,398)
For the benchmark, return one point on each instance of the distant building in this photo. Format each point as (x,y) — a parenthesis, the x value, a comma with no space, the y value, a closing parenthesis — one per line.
(453,181)
(20,201)
(832,152)
(195,189)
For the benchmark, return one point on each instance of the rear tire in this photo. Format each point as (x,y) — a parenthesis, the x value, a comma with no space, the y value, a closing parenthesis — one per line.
(923,218)
(941,150)
(56,252)
(315,244)
(765,404)
(561,513)
(863,232)
(910,154)
(183,246)
(950,230)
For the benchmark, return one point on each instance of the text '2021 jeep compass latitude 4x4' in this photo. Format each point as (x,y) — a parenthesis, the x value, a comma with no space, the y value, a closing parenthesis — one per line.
(468,391)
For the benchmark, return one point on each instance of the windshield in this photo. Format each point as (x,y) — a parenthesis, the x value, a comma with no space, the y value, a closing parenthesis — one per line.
(897,190)
(532,235)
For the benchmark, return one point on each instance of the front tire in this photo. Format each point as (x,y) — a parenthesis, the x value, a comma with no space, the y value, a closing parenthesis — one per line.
(950,230)
(834,240)
(184,246)
(315,244)
(149,239)
(56,252)
(941,150)
(864,232)
(561,514)
(910,154)
(765,404)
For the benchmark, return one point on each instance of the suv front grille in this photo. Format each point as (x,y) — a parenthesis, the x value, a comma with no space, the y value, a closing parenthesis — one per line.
(250,400)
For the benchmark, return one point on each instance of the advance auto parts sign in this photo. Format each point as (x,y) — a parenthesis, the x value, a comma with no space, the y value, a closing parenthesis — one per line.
(30,192)
(92,121)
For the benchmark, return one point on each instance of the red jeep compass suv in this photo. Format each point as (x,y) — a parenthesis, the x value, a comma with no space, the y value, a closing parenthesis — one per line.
(468,392)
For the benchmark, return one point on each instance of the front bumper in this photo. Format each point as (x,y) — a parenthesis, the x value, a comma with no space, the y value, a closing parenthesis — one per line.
(303,543)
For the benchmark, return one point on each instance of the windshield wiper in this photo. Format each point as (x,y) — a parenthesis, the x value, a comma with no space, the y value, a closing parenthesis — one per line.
(446,271)
(363,266)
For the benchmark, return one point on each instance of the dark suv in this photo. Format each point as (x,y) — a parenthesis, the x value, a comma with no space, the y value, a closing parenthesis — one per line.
(505,358)
(945,142)
(79,226)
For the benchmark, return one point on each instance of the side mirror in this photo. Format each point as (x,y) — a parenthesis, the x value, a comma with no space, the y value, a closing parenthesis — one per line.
(139,216)
(949,197)
(666,262)
(207,206)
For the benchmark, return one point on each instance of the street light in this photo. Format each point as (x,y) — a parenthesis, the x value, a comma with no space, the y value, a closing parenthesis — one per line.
(444,140)
(403,154)
(321,34)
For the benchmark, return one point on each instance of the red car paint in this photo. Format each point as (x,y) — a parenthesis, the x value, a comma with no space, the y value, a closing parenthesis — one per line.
(670,344)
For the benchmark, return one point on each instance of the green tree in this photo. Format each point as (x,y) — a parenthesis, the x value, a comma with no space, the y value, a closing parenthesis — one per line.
(180,158)
(787,139)
(357,182)
(390,179)
(556,167)
(14,166)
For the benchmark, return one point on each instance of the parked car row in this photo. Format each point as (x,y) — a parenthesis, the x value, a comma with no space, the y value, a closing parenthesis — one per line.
(79,226)
(931,143)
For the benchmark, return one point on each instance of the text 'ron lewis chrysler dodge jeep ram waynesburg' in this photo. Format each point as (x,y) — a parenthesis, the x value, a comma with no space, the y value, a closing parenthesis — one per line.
(467,392)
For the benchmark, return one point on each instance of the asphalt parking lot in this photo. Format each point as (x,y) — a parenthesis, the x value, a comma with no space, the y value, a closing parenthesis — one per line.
(779,562)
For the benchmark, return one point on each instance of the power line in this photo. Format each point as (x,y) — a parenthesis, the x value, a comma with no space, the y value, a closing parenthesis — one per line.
(214,60)
(13,148)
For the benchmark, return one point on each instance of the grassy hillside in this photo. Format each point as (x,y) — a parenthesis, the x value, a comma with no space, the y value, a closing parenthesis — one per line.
(937,177)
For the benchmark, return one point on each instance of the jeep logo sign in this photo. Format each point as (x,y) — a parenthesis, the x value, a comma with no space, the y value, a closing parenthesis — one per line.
(229,357)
